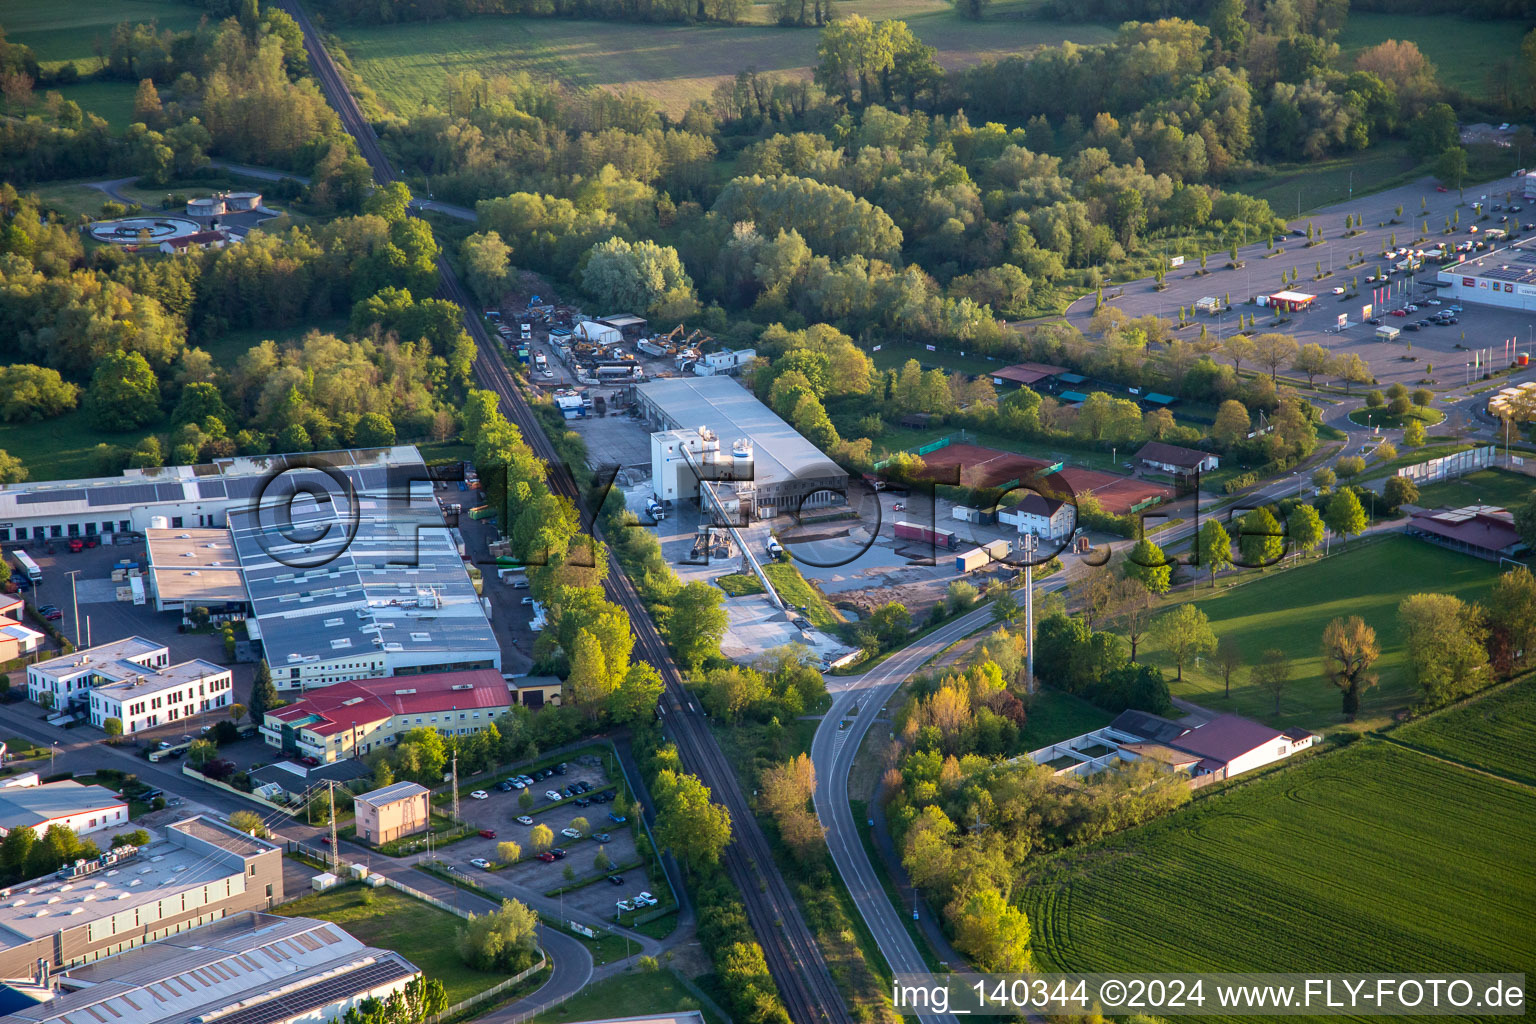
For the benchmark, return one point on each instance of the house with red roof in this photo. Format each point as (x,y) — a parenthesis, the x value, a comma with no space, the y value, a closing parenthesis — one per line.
(354,718)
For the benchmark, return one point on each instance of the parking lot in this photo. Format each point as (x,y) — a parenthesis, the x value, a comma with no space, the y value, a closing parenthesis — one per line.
(499,812)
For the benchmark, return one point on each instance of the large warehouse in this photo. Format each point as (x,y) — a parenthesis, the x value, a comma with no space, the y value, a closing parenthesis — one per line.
(1504,277)
(788,472)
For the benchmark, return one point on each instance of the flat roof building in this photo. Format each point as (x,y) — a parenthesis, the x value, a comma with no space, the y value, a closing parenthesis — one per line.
(68,679)
(196,871)
(250,968)
(85,809)
(788,471)
(356,717)
(194,567)
(133,681)
(1504,277)
(1486,531)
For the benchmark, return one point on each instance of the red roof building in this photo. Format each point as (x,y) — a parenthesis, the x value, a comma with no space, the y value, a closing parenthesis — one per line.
(353,718)
(1026,374)
(1486,531)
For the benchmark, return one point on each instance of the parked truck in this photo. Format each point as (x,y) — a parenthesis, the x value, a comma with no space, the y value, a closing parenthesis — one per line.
(650,348)
(980,558)
(938,538)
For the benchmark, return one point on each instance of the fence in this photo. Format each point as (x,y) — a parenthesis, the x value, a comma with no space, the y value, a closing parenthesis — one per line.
(1449,467)
(931,446)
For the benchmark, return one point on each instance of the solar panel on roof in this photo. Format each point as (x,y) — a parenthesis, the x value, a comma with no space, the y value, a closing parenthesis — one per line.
(170,492)
(211,489)
(126,494)
(46,497)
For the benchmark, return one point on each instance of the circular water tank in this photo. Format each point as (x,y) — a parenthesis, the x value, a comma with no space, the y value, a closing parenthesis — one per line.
(209,207)
(159,523)
(741,448)
(237,202)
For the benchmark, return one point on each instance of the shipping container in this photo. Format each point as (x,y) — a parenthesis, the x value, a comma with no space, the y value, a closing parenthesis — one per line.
(482,512)
(938,538)
(980,558)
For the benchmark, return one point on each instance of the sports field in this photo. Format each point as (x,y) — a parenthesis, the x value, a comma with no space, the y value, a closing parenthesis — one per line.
(1373,858)
(1487,487)
(1496,733)
(974,466)
(1463,51)
(1289,608)
(673,64)
(1115,493)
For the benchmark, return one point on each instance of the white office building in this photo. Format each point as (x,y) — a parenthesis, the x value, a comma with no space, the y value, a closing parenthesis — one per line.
(133,681)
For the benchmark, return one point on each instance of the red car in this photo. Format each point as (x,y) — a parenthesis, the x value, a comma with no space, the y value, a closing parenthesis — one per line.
(547,858)
(76,545)
(326,840)
(487,833)
(1441,188)
(312,762)
(1399,312)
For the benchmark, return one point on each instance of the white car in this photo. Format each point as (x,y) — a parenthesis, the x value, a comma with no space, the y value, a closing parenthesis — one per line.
(570,833)
(547,374)
(1338,291)
(527,600)
(553,795)
(519,784)
(481,862)
(1433,302)
(624,906)
(649,899)
(479,794)
(526,780)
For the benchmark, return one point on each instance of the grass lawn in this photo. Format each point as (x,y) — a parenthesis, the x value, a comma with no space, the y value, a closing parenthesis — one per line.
(62,448)
(1320,183)
(417,931)
(234,344)
(795,590)
(70,199)
(1288,609)
(1495,732)
(1462,50)
(894,357)
(1395,421)
(1399,863)
(59,32)
(1054,716)
(633,993)
(111,100)
(672,64)
(1485,487)
(739,584)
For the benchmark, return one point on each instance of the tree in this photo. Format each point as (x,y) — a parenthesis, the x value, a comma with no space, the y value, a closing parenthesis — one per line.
(1272,673)
(1274,351)
(989,929)
(1413,433)
(1184,633)
(1385,452)
(504,940)
(508,852)
(1232,423)
(237,712)
(638,275)
(1215,547)
(786,791)
(525,799)
(485,265)
(1451,167)
(589,682)
(1511,611)
(201,752)
(146,102)
(1259,539)
(1227,659)
(602,862)
(1349,651)
(1349,466)
(1400,490)
(373,430)
(1305,528)
(1006,608)
(961,597)
(248,822)
(264,696)
(113,727)
(1323,478)
(541,838)
(1345,516)
(1446,639)
(687,823)
(1147,565)
(1312,360)
(696,623)
(124,392)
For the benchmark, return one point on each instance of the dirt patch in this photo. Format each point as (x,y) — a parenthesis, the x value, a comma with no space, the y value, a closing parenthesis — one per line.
(917,598)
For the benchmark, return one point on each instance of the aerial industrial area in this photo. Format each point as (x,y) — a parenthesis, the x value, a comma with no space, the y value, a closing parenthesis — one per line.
(1016,510)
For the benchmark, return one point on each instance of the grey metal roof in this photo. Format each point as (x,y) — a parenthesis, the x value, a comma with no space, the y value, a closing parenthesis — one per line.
(780,453)
(98,657)
(389,794)
(33,805)
(249,968)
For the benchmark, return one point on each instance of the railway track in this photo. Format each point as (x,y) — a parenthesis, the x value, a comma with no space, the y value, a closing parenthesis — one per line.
(793,958)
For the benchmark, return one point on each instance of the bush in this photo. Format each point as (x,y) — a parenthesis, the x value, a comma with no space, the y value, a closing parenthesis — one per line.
(503,940)
(1241,481)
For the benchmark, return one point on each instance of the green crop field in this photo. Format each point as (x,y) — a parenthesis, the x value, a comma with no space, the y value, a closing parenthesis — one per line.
(1495,732)
(1288,609)
(59,32)
(112,101)
(1487,487)
(673,64)
(1462,50)
(1373,858)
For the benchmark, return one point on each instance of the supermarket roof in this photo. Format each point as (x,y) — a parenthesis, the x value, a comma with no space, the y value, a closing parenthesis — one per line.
(1514,263)
(1289,296)
(780,453)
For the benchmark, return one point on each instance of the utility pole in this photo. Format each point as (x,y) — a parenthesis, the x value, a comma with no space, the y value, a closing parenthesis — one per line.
(1031,543)
(75,603)
(455,788)
(330,789)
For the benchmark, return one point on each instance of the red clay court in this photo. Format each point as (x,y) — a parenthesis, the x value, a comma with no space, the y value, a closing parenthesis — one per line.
(978,466)
(1116,493)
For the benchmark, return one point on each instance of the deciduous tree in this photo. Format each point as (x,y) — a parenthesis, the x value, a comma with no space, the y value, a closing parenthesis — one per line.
(1349,651)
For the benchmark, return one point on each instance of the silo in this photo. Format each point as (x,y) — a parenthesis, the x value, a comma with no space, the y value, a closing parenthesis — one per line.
(212,206)
(241,202)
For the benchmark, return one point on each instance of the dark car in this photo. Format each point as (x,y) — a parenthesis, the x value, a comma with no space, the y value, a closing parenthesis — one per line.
(1451,320)
(583,787)
(1375,321)
(615,879)
(1410,326)
(558,854)
(617,819)
(583,802)
(560,768)
(503,787)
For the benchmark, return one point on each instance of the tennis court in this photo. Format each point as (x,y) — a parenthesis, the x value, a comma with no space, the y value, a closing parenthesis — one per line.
(1116,493)
(971,465)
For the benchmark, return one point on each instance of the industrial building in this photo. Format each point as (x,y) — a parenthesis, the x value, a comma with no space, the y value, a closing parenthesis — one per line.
(84,809)
(354,718)
(1504,277)
(194,568)
(250,968)
(198,871)
(131,680)
(692,414)
(391,812)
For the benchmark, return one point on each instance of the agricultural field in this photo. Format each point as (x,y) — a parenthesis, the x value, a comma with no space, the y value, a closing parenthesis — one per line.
(672,64)
(1288,609)
(1495,732)
(1372,858)
(59,32)
(1486,487)
(1463,51)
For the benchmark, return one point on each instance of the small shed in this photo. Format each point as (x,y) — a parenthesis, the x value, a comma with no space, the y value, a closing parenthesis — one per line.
(1208,304)
(323,881)
(1386,332)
